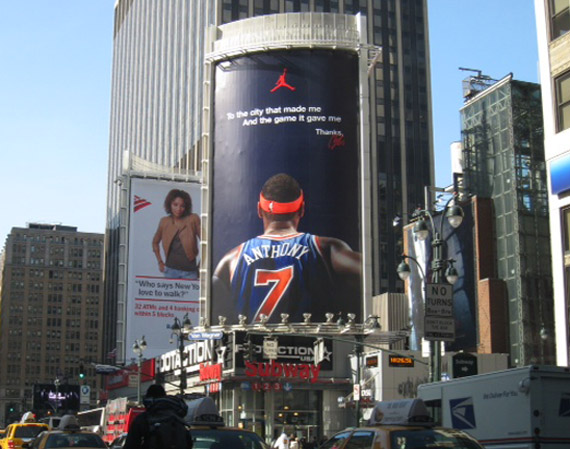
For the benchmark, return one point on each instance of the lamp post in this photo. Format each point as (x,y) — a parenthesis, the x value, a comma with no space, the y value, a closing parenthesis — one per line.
(181,333)
(454,215)
(56,382)
(139,347)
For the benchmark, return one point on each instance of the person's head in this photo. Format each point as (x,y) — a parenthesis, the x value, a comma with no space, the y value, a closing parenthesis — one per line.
(178,203)
(155,391)
(281,199)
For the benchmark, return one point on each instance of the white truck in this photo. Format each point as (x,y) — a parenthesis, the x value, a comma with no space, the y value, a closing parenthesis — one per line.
(519,408)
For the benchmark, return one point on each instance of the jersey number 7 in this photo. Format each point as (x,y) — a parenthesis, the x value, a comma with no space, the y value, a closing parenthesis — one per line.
(280,279)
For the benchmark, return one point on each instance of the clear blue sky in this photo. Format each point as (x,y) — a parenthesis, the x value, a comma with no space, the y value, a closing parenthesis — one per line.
(55,95)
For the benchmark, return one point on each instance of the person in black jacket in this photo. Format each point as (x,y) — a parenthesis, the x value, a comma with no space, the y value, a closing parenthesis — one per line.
(157,404)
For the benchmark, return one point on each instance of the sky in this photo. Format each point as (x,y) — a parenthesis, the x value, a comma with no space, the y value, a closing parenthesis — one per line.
(55,89)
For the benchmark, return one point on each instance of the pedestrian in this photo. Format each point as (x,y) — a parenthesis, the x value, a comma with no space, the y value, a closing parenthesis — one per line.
(294,444)
(161,425)
(282,442)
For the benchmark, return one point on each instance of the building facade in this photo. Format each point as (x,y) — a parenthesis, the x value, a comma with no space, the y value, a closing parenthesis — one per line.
(503,159)
(50,316)
(157,119)
(553,26)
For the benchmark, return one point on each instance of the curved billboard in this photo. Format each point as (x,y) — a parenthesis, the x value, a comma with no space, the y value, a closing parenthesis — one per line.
(293,113)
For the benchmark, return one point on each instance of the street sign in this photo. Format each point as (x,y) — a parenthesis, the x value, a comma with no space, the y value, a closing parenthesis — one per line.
(85,392)
(439,300)
(133,380)
(439,328)
(206,335)
(464,364)
(356,392)
(270,348)
(106,369)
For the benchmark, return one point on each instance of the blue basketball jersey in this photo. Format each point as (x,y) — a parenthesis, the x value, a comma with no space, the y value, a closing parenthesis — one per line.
(281,274)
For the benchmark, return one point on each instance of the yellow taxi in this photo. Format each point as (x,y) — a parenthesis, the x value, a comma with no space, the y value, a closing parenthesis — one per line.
(20,433)
(67,435)
(209,431)
(403,424)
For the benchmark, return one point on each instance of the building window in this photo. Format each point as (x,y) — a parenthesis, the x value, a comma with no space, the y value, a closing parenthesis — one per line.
(563,101)
(559,18)
(566,235)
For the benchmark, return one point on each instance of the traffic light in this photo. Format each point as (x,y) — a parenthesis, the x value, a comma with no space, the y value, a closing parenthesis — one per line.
(81,371)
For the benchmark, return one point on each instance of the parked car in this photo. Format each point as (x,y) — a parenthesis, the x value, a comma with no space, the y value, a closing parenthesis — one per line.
(18,434)
(403,424)
(67,436)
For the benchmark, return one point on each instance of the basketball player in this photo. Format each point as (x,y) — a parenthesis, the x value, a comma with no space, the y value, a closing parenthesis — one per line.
(283,270)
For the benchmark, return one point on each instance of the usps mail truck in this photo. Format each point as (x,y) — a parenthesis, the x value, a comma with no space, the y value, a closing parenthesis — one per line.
(519,408)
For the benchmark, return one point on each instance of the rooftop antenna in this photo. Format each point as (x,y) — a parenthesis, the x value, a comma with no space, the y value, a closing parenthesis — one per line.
(474,84)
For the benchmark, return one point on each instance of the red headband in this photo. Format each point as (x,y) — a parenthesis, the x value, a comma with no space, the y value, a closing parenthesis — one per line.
(274,207)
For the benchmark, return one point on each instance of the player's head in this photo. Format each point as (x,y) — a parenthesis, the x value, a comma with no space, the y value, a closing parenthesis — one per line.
(281,198)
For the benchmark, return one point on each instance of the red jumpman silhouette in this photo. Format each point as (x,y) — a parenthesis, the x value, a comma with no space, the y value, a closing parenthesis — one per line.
(282,83)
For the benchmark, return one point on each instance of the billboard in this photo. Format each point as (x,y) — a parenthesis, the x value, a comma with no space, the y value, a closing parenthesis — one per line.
(293,112)
(163,261)
(49,397)
(458,245)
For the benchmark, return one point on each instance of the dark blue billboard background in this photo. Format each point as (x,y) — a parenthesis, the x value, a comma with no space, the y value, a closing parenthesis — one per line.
(458,246)
(293,112)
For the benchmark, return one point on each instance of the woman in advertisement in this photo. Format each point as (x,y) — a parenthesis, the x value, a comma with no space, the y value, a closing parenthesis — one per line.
(178,232)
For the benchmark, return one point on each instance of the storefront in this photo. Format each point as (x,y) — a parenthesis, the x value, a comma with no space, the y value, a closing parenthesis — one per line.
(268,395)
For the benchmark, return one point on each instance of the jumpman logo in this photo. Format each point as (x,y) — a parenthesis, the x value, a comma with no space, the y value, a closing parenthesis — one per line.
(281,82)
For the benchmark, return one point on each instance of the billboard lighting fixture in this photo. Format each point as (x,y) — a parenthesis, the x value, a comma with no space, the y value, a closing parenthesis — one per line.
(345,325)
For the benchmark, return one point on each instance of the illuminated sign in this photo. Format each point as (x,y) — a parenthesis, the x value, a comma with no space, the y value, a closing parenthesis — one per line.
(372,362)
(400,361)
(210,372)
(275,369)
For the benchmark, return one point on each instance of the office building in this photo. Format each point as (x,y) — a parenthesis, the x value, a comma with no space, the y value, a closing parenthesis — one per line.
(553,26)
(50,316)
(157,119)
(503,159)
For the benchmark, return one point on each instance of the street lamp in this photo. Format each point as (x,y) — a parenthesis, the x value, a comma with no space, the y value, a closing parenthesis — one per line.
(181,332)
(439,265)
(139,347)
(57,383)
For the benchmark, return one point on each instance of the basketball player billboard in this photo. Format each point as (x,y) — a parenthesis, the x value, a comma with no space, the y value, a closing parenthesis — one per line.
(164,233)
(285,190)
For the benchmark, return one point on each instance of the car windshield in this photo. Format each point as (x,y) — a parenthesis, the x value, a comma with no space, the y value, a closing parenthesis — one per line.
(431,439)
(226,439)
(28,431)
(74,440)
